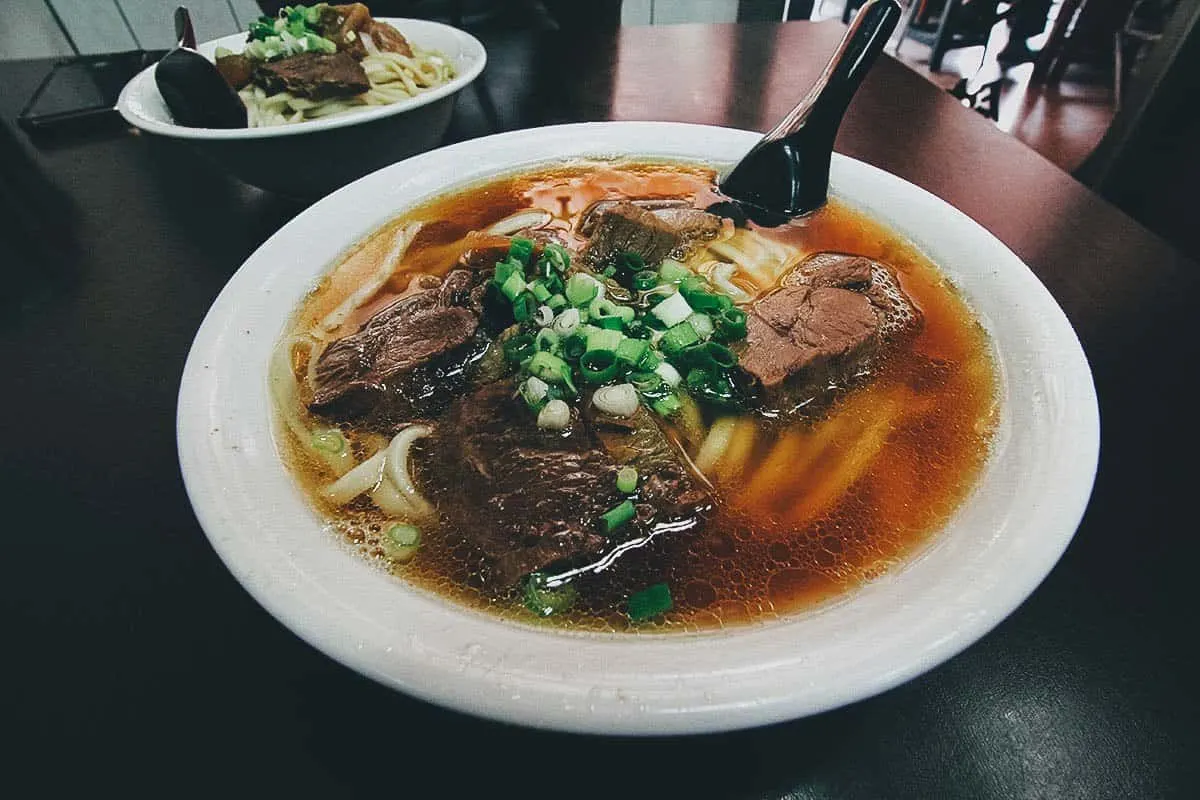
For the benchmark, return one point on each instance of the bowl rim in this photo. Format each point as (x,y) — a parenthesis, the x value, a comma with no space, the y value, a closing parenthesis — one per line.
(741,677)
(474,60)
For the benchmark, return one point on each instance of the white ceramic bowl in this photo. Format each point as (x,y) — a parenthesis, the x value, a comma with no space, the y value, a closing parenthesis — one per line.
(309,159)
(991,555)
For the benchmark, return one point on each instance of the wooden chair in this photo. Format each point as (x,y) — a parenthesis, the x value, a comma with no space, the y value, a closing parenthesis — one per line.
(953,25)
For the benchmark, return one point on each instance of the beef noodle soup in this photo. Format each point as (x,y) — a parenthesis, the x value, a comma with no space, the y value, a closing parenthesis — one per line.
(575,396)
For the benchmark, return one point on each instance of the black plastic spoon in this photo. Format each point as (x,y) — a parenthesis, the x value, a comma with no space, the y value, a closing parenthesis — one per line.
(195,93)
(786,174)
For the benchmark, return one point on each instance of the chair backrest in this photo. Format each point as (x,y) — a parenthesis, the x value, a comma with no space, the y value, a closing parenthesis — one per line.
(111,26)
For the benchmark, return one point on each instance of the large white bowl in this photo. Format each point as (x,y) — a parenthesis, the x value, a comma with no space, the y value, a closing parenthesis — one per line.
(992,554)
(308,159)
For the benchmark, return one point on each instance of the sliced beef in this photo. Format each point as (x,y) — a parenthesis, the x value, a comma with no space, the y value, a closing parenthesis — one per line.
(544,491)
(236,69)
(822,327)
(387,38)
(807,329)
(591,215)
(652,234)
(669,489)
(317,76)
(406,357)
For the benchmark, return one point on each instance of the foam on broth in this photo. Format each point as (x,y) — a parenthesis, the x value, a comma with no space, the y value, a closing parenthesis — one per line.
(807,509)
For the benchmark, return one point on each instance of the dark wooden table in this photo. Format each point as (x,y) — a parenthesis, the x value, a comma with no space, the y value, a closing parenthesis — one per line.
(133,661)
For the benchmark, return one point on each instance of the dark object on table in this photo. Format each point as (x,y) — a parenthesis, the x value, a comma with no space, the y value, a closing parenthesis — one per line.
(786,174)
(985,99)
(191,86)
(78,95)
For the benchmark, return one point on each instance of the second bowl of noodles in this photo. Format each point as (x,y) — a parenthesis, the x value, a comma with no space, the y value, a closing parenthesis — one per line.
(310,157)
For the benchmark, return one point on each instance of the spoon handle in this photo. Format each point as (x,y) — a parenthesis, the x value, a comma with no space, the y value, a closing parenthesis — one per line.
(792,159)
(185,34)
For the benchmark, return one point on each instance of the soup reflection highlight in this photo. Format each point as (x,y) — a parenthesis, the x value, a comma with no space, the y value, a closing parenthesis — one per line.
(573,397)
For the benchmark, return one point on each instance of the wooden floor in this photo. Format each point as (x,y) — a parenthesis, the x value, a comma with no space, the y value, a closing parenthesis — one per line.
(1063,123)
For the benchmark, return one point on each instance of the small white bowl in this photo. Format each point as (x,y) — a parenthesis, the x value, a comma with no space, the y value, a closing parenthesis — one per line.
(309,159)
(994,551)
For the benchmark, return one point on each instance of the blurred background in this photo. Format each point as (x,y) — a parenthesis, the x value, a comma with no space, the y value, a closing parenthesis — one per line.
(1104,89)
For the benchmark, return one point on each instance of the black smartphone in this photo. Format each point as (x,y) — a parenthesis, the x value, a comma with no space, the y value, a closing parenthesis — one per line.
(79,94)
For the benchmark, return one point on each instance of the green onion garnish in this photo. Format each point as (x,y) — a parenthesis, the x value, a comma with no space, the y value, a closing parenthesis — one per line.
(673,310)
(632,351)
(702,324)
(557,302)
(521,249)
(547,341)
(617,516)
(650,602)
(545,601)
(505,270)
(549,368)
(539,291)
(535,392)
(518,348)
(677,338)
(599,366)
(730,325)
(666,406)
(513,286)
(581,289)
(646,279)
(400,542)
(557,256)
(329,441)
(601,339)
(671,271)
(627,479)
(524,306)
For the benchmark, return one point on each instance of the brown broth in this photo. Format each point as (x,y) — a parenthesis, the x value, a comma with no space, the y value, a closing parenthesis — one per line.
(807,509)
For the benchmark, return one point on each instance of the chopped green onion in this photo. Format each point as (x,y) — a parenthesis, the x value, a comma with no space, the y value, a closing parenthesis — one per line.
(702,324)
(329,441)
(557,302)
(646,279)
(549,367)
(730,325)
(666,406)
(708,301)
(627,480)
(400,542)
(677,338)
(617,516)
(534,391)
(566,322)
(673,310)
(524,306)
(539,291)
(518,348)
(649,360)
(547,341)
(599,366)
(513,286)
(620,400)
(557,256)
(609,271)
(671,271)
(505,270)
(602,339)
(554,416)
(712,387)
(574,345)
(544,601)
(669,374)
(543,316)
(720,355)
(645,382)
(637,329)
(521,249)
(631,351)
(650,602)
(581,289)
(630,261)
